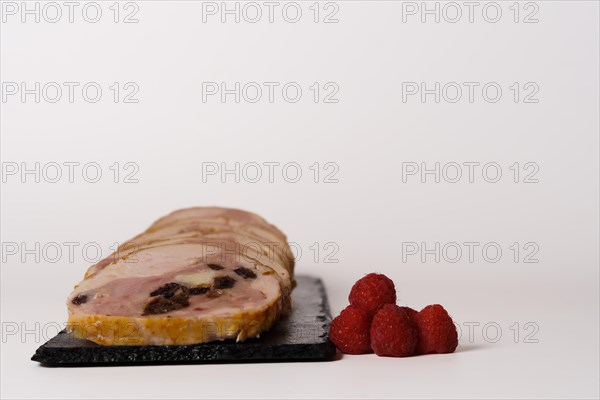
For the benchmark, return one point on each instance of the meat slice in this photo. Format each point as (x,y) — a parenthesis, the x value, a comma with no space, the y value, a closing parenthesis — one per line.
(185,289)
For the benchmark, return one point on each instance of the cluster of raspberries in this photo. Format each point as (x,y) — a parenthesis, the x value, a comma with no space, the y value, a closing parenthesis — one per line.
(373,322)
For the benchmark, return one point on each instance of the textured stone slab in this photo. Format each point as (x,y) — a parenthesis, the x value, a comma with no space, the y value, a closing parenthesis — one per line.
(300,337)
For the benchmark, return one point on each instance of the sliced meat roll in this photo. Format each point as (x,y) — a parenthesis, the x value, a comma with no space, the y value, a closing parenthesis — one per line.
(217,281)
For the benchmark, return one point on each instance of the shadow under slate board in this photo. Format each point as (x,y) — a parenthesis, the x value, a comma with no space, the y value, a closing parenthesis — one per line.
(303,336)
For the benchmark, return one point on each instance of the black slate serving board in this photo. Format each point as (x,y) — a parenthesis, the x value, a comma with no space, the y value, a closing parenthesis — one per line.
(300,337)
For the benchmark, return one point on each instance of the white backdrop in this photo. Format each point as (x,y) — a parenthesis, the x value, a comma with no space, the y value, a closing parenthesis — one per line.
(459,156)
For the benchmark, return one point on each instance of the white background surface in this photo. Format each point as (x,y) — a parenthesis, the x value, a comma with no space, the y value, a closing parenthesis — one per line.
(368,214)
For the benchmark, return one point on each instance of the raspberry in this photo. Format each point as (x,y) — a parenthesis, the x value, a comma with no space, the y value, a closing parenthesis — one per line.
(371,292)
(437,332)
(349,331)
(411,313)
(393,332)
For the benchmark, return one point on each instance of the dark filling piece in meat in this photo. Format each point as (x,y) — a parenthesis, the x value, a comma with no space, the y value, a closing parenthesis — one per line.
(161,305)
(168,290)
(215,267)
(245,273)
(79,299)
(223,282)
(198,290)
(173,296)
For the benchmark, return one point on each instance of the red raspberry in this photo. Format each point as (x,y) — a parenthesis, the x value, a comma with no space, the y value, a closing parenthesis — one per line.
(349,331)
(393,332)
(411,313)
(437,332)
(371,292)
